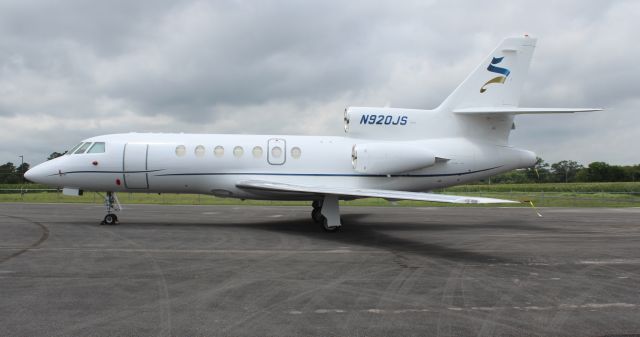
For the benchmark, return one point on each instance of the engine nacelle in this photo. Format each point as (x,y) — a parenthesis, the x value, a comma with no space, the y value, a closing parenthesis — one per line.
(390,157)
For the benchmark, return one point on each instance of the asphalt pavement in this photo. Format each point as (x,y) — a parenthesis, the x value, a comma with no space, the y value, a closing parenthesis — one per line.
(271,271)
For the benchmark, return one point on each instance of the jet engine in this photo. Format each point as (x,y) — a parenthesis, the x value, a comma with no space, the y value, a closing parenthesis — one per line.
(390,157)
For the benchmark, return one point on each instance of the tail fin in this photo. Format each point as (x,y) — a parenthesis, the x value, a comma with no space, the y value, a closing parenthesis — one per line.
(497,81)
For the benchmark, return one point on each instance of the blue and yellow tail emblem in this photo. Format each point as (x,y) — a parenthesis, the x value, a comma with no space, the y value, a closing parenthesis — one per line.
(492,68)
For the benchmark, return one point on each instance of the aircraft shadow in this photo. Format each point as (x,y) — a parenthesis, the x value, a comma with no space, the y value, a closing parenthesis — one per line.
(358,231)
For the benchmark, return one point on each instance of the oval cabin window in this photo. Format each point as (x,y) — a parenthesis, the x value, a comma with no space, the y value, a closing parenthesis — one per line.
(218,151)
(276,152)
(257,152)
(238,151)
(181,150)
(199,151)
(296,152)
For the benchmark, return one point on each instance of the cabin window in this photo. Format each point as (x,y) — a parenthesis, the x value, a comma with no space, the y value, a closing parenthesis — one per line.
(238,151)
(98,147)
(276,151)
(181,150)
(82,148)
(257,152)
(218,151)
(199,151)
(296,152)
(73,149)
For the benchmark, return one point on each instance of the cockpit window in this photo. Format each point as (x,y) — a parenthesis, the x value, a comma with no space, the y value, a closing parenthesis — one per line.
(98,147)
(73,149)
(82,148)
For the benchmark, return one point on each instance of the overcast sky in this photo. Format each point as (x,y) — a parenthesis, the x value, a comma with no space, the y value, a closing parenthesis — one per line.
(74,69)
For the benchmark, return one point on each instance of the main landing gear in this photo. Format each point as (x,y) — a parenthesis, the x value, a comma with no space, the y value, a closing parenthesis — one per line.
(327,213)
(113,205)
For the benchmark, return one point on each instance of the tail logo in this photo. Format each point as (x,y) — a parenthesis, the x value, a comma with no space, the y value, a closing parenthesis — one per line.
(492,68)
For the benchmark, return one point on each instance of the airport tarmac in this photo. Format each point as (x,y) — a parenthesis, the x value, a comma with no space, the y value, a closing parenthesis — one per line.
(270,271)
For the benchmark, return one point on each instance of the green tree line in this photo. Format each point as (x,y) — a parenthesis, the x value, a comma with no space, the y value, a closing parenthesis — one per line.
(569,171)
(12,174)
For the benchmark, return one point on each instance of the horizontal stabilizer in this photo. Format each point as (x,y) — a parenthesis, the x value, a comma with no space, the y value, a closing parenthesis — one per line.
(520,111)
(366,193)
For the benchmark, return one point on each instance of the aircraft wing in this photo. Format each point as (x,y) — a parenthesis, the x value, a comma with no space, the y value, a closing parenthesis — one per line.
(366,193)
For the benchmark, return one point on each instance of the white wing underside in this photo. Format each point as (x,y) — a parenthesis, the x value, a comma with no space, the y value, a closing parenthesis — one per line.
(366,193)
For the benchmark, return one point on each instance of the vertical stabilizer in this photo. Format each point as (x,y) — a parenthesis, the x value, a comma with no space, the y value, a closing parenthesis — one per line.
(497,81)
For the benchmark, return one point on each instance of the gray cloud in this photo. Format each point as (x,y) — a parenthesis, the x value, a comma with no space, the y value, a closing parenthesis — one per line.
(73,69)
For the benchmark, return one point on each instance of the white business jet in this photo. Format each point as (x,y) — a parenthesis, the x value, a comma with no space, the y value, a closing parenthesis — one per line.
(386,153)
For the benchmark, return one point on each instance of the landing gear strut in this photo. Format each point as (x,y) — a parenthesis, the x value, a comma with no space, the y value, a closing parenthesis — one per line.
(327,213)
(113,205)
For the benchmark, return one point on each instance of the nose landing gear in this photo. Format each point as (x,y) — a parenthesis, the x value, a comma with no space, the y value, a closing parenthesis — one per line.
(113,205)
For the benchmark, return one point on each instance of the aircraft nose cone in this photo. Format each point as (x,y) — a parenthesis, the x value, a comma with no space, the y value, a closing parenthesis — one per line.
(29,175)
(33,174)
(36,174)
(46,173)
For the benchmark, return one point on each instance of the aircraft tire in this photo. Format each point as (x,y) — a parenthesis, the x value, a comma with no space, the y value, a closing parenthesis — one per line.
(110,219)
(316,215)
(327,228)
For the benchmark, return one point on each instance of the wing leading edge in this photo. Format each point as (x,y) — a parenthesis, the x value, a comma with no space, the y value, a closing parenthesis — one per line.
(367,193)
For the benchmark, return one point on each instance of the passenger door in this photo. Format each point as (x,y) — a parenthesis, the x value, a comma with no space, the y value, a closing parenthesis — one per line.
(135,166)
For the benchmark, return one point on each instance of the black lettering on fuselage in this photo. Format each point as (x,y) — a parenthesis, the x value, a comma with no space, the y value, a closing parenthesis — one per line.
(383,120)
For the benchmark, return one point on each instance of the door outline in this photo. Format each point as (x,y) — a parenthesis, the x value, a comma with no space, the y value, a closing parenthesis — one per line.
(136,173)
(273,142)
